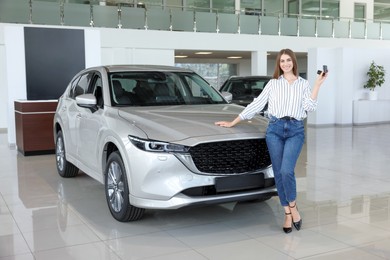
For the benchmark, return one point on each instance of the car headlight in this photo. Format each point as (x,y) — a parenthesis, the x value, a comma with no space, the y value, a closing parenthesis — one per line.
(157,146)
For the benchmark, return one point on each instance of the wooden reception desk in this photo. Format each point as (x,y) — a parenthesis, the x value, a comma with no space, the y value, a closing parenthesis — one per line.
(34,126)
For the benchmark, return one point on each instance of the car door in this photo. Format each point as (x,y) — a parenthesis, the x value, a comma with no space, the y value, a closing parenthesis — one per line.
(90,125)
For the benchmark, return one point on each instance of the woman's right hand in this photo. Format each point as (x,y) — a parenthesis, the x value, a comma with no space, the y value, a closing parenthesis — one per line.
(228,123)
(224,124)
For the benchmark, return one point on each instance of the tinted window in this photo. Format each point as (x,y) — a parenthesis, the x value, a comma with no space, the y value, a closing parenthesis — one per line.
(161,88)
(244,88)
(81,85)
(97,90)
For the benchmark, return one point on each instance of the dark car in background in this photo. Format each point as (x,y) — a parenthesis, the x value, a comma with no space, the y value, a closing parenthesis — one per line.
(244,89)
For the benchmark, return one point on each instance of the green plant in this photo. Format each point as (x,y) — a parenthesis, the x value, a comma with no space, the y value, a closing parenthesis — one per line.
(376,76)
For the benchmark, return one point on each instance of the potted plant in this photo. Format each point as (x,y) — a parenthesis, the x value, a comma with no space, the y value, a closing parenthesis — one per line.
(376,78)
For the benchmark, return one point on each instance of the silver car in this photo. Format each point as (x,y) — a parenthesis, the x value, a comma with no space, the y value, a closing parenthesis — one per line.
(147,133)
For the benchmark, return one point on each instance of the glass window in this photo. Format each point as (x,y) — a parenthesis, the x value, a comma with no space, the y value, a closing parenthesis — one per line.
(293,8)
(148,3)
(223,6)
(273,7)
(310,8)
(198,5)
(382,10)
(330,8)
(251,7)
(173,4)
(360,12)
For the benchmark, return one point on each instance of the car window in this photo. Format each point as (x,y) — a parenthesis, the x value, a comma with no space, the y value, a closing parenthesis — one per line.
(259,85)
(160,88)
(73,87)
(81,85)
(245,88)
(96,90)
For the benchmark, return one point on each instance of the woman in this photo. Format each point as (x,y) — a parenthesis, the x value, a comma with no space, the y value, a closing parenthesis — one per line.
(289,99)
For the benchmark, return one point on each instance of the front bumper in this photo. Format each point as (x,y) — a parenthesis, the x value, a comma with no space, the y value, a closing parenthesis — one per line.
(165,181)
(181,200)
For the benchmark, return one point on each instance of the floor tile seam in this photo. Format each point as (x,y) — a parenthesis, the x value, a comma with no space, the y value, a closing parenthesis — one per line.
(74,245)
(335,251)
(373,224)
(250,238)
(25,241)
(16,223)
(274,248)
(228,227)
(73,226)
(173,253)
(87,224)
(187,247)
(370,242)
(108,240)
(343,241)
(123,236)
(14,256)
(345,246)
(362,247)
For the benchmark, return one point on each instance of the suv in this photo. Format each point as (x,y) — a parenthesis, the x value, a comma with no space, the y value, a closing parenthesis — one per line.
(148,134)
(244,89)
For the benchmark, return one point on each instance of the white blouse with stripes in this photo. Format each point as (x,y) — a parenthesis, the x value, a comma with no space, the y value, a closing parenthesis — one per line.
(283,99)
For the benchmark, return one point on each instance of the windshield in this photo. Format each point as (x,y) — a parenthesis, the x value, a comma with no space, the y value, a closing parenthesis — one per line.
(161,88)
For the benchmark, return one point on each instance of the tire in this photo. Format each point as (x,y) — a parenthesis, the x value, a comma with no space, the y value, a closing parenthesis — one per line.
(65,169)
(117,191)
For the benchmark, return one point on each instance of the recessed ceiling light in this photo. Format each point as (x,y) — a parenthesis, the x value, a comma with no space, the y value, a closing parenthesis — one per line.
(235,57)
(203,52)
(181,56)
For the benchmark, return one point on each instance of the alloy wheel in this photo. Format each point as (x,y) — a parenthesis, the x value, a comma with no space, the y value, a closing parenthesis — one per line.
(115,186)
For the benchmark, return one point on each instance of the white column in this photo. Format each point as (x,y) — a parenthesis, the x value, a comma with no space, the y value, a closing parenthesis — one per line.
(259,63)
(16,74)
(237,5)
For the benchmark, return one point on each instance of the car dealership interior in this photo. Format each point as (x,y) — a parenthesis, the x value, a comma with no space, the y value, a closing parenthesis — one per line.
(342,174)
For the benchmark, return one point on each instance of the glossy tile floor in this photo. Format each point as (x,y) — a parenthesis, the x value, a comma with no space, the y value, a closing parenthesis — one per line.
(343,195)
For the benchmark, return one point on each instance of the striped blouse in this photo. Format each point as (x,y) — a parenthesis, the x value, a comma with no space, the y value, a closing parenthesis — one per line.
(283,100)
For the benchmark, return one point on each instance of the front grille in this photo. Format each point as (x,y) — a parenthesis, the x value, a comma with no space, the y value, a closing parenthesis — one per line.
(231,157)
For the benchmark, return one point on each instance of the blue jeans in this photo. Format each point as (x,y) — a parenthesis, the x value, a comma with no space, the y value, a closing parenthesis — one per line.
(285,140)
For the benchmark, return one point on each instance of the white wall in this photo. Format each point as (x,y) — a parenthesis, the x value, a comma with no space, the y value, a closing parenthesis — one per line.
(347,76)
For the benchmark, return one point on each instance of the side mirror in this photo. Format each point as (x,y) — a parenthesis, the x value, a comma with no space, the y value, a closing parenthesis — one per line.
(227,96)
(87,101)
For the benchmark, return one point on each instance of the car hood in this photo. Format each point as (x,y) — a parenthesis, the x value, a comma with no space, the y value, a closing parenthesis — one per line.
(190,125)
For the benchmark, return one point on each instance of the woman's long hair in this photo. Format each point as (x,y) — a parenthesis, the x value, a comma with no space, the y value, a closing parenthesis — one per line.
(278,71)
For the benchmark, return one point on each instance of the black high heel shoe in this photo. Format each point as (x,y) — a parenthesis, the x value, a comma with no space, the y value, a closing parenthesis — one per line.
(287,229)
(297,224)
